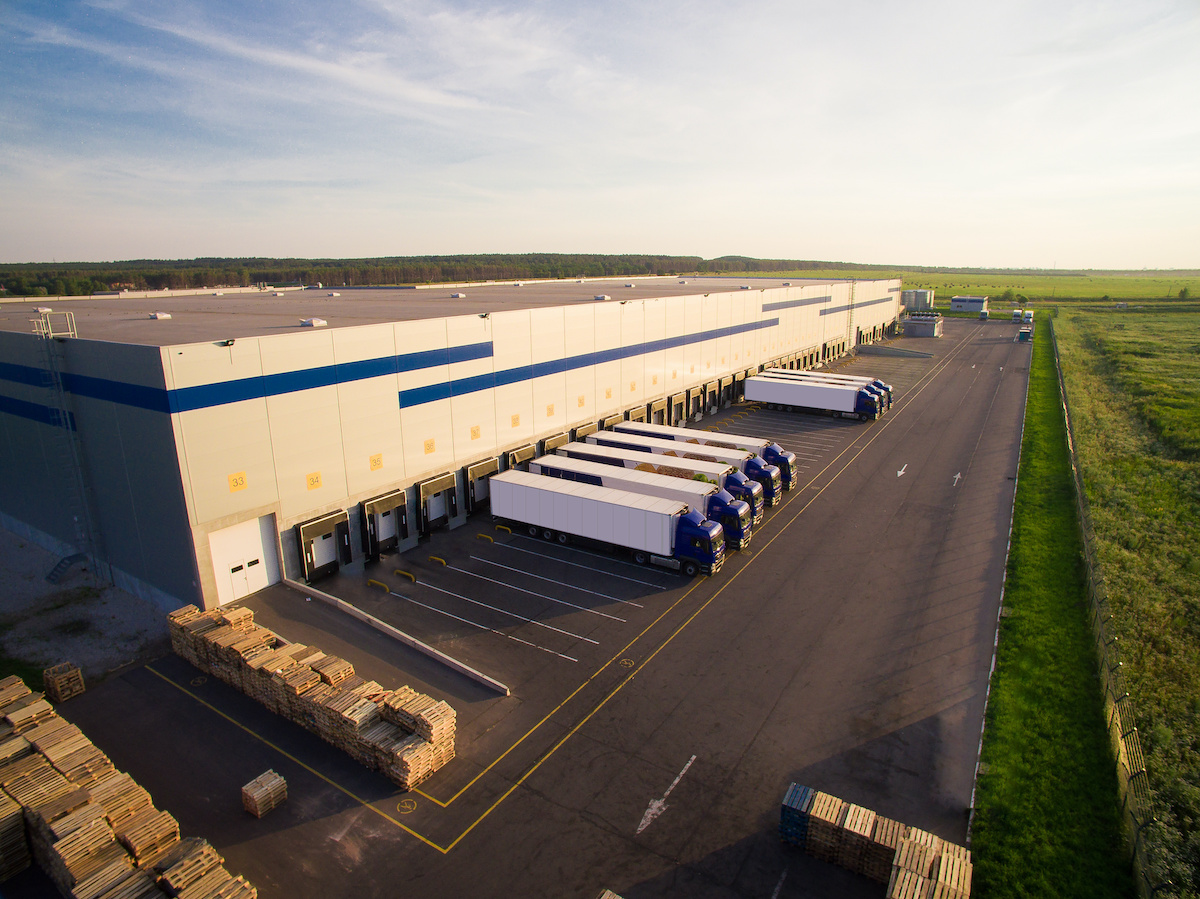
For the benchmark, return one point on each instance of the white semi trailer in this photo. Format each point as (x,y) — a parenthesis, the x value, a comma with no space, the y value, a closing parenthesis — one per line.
(658,531)
(713,502)
(822,398)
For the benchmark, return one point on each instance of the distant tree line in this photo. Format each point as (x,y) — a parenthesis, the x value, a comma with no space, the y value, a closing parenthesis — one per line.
(81,278)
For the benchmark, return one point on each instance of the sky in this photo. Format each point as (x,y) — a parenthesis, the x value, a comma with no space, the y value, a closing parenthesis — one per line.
(1045,134)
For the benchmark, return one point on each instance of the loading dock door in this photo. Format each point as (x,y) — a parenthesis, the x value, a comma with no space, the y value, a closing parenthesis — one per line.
(658,412)
(384,522)
(521,455)
(676,408)
(581,431)
(476,477)
(439,502)
(324,544)
(245,558)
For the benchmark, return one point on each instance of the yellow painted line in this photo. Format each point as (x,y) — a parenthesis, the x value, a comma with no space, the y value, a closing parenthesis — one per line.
(504,527)
(400,572)
(484,537)
(437,559)
(571,696)
(371,582)
(290,757)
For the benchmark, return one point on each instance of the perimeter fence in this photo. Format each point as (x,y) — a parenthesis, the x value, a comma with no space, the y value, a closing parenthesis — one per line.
(1137,812)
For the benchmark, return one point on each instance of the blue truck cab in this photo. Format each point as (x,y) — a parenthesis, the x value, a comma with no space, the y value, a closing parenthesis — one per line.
(750,492)
(699,543)
(785,461)
(735,516)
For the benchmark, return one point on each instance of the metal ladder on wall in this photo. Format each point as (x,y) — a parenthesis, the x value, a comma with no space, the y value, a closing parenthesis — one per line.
(65,454)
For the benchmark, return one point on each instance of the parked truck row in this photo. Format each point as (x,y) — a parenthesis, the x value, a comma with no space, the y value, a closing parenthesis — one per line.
(668,496)
(815,395)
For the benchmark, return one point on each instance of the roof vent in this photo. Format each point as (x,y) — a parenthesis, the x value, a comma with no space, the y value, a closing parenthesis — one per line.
(787,283)
(458,296)
(160,314)
(332,294)
(313,322)
(219,293)
(279,293)
(601,297)
(42,310)
(631,285)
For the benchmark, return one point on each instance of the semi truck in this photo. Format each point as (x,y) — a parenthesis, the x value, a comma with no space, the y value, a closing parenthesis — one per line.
(722,475)
(653,530)
(877,386)
(750,465)
(819,397)
(713,502)
(766,450)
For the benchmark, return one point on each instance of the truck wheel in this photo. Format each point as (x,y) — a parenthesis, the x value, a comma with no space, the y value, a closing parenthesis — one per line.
(563,538)
(640,557)
(837,414)
(862,416)
(690,569)
(547,534)
(533,530)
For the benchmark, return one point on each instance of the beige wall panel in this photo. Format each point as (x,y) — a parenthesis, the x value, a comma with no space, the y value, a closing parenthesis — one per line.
(473,417)
(655,314)
(296,351)
(693,353)
(608,374)
(633,368)
(706,370)
(369,411)
(306,434)
(579,323)
(197,364)
(230,465)
(512,336)
(674,326)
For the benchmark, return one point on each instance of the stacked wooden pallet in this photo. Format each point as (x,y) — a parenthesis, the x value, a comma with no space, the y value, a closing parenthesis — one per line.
(62,682)
(320,692)
(793,816)
(881,850)
(858,824)
(264,793)
(27,712)
(824,826)
(93,830)
(14,849)
(914,863)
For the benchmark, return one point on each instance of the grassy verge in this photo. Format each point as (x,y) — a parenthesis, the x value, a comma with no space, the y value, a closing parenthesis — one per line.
(1134,388)
(1047,821)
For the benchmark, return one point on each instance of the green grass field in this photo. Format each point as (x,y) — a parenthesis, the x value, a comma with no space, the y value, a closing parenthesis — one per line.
(1047,821)
(1036,286)
(1132,382)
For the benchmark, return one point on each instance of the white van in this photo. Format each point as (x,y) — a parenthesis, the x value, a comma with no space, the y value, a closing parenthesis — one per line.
(1016,315)
(1028,316)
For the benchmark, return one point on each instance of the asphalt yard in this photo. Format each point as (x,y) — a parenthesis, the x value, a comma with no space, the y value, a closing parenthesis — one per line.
(653,722)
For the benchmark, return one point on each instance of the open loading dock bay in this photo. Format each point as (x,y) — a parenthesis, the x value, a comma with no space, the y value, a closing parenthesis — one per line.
(654,722)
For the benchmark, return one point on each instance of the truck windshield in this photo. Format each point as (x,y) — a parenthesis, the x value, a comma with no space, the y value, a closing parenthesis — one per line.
(744,518)
(776,479)
(718,544)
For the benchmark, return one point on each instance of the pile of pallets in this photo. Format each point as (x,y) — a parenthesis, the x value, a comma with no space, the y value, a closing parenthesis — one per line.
(94,831)
(62,682)
(320,692)
(264,793)
(793,816)
(914,863)
(14,849)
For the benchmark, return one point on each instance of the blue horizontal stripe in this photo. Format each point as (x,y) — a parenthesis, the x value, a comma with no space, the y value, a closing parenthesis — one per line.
(834,309)
(23,374)
(137,395)
(792,304)
(34,412)
(464,386)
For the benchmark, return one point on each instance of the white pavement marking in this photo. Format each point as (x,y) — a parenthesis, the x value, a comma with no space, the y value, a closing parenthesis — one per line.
(658,806)
(549,627)
(482,627)
(533,593)
(585,567)
(902,470)
(779,886)
(956,477)
(551,580)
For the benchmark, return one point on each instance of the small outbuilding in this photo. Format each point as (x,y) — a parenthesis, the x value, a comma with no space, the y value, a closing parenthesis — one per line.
(969,304)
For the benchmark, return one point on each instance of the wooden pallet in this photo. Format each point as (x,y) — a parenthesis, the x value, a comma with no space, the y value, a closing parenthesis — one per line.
(198,860)
(824,826)
(14,850)
(916,857)
(881,850)
(858,824)
(62,682)
(148,833)
(906,884)
(265,792)
(951,877)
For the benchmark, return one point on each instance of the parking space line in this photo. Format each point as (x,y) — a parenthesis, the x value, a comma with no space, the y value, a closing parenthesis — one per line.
(606,557)
(482,627)
(586,568)
(533,593)
(337,786)
(533,621)
(550,579)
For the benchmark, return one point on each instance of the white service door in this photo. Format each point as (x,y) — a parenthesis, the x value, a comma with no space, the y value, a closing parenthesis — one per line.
(245,558)
(387,525)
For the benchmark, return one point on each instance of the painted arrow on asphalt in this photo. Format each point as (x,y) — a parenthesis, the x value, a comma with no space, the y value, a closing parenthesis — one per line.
(956,477)
(902,470)
(658,806)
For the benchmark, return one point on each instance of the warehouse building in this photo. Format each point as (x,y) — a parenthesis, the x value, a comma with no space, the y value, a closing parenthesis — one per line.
(199,448)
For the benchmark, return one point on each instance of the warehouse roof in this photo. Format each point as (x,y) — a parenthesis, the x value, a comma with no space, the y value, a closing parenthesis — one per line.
(217,315)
